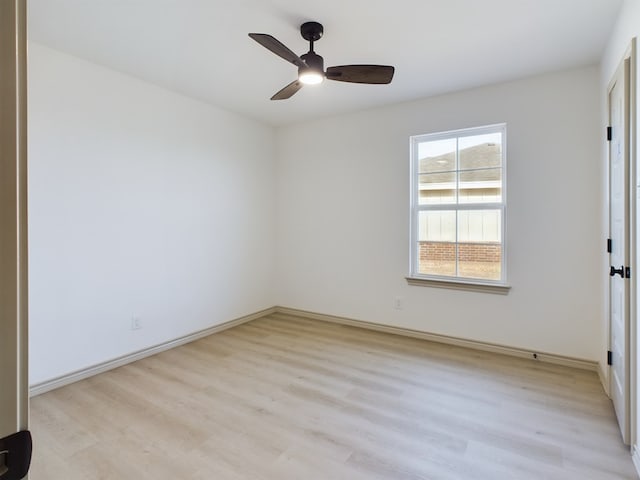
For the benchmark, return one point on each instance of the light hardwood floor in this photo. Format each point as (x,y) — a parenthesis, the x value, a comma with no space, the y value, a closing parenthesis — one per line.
(288,398)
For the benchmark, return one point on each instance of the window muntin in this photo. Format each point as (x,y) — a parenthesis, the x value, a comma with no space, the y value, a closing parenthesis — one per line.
(458,205)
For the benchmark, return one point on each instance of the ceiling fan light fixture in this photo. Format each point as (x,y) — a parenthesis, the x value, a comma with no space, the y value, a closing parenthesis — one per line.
(311,77)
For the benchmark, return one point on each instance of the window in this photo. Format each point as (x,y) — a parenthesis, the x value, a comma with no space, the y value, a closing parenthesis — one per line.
(458,206)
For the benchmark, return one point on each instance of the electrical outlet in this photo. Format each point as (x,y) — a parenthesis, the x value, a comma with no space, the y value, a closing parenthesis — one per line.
(398,303)
(136,323)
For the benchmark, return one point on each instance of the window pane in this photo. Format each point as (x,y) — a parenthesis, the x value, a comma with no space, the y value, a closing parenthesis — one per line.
(439,226)
(480,261)
(437,188)
(480,186)
(480,151)
(437,156)
(436,243)
(480,244)
(479,226)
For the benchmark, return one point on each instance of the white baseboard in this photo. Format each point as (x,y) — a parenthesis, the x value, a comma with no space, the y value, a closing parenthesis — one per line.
(635,456)
(460,342)
(72,377)
(604,379)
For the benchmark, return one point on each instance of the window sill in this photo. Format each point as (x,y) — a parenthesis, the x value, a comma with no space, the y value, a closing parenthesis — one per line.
(460,285)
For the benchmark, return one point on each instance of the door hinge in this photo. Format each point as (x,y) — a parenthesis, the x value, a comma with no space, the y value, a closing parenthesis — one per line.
(609,358)
(609,134)
(627,272)
(608,245)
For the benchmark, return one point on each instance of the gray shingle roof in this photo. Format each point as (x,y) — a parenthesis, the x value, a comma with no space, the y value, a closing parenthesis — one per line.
(483,161)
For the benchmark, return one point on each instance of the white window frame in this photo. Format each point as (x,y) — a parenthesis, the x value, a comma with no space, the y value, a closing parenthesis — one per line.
(457,282)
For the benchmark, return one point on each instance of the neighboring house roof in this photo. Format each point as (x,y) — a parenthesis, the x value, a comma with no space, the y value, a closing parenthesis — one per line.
(483,162)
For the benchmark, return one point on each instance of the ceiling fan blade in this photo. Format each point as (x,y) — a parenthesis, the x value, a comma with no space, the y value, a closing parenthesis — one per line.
(288,91)
(277,47)
(375,74)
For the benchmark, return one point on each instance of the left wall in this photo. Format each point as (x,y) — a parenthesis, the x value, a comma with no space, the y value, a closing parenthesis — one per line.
(142,203)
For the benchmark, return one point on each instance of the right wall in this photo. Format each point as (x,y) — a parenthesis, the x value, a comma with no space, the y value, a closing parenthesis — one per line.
(627,27)
(343,216)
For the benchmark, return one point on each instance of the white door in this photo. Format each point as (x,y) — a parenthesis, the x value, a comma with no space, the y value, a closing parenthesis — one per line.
(13,241)
(619,256)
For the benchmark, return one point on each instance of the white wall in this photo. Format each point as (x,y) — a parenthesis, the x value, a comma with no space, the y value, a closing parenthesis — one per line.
(142,202)
(627,27)
(343,216)
(145,203)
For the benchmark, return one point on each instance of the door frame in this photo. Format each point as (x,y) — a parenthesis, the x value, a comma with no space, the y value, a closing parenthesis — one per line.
(14,395)
(620,80)
(634,174)
(630,56)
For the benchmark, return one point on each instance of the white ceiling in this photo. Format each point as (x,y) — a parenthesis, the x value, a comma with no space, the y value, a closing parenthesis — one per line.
(200,47)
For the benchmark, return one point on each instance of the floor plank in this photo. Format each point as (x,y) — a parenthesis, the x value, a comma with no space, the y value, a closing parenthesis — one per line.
(285,398)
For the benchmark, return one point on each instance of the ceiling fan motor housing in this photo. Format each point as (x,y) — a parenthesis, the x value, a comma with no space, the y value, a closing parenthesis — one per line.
(314,62)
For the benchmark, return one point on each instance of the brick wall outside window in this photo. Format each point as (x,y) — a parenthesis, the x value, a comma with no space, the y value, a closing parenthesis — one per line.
(468,252)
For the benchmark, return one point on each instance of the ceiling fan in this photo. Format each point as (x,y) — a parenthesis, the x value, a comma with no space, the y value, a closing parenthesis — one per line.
(311,65)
